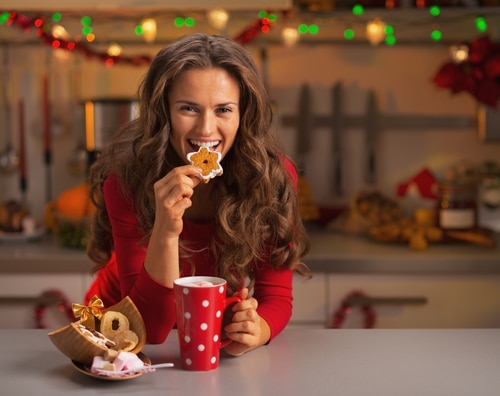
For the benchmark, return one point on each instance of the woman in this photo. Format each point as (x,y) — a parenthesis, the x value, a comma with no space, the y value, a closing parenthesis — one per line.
(157,221)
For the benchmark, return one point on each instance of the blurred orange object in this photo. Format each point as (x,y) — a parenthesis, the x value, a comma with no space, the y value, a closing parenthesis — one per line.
(75,203)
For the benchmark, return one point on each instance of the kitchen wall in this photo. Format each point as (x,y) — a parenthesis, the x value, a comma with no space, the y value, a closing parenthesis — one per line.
(399,76)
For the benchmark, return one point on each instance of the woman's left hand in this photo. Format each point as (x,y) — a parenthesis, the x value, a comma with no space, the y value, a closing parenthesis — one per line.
(247,329)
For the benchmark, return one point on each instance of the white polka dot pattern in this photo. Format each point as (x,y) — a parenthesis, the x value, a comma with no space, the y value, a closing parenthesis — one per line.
(202,321)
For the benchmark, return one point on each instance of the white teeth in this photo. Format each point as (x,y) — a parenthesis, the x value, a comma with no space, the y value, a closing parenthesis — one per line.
(204,144)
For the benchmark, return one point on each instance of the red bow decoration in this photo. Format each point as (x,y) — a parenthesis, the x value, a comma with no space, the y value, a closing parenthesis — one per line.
(478,75)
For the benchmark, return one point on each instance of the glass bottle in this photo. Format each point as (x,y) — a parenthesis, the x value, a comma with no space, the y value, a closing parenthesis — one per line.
(457,208)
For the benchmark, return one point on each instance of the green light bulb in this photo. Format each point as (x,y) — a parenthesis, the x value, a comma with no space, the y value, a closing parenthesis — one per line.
(303,28)
(349,34)
(481,24)
(389,29)
(179,21)
(358,9)
(436,35)
(86,20)
(86,30)
(4,17)
(313,28)
(434,10)
(390,40)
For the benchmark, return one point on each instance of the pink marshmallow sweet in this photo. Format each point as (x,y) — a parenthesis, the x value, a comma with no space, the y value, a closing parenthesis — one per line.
(98,363)
(127,361)
(124,361)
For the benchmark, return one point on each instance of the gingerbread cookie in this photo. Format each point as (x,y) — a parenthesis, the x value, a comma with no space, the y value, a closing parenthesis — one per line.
(116,327)
(208,161)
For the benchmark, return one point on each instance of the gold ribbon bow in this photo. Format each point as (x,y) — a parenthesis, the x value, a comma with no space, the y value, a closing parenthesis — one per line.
(87,314)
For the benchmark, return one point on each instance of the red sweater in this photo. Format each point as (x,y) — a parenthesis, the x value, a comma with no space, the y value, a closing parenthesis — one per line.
(125,275)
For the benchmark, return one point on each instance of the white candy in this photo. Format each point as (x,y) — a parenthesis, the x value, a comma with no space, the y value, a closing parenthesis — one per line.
(98,364)
(200,284)
(127,361)
(124,361)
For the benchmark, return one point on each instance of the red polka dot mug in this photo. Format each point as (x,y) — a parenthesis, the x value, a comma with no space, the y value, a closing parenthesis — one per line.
(200,303)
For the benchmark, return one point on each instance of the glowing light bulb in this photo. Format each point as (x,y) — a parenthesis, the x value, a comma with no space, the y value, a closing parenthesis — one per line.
(289,36)
(59,32)
(375,31)
(459,53)
(218,18)
(114,50)
(149,30)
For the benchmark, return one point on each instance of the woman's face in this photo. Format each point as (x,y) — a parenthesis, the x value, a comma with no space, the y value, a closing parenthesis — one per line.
(204,111)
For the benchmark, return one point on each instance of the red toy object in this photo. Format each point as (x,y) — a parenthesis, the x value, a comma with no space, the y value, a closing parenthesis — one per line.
(423,184)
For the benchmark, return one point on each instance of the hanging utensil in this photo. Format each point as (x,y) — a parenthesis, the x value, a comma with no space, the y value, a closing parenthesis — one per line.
(77,163)
(9,159)
(337,127)
(372,129)
(304,127)
(23,179)
(47,132)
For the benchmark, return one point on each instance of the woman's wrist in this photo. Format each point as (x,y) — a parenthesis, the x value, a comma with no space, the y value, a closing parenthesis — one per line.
(162,260)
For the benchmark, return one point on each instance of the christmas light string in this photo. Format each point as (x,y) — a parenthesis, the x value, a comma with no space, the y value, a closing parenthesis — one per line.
(43,30)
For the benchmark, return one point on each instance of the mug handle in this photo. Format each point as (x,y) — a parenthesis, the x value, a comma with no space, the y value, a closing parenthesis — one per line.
(229,300)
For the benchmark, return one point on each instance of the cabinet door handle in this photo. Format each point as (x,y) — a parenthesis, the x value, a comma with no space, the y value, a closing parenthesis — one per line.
(361,301)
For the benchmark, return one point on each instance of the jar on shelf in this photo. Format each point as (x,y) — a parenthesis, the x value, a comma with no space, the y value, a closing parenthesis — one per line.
(457,209)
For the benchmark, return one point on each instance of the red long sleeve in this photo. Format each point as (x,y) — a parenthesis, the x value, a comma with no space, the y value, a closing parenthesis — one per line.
(273,289)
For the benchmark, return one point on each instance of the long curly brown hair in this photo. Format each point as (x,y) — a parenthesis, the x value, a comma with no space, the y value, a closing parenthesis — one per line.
(256,203)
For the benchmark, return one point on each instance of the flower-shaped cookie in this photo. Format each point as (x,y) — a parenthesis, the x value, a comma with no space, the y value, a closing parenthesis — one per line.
(208,161)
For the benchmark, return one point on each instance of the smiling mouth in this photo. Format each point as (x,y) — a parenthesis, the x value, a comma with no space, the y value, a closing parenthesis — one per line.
(196,144)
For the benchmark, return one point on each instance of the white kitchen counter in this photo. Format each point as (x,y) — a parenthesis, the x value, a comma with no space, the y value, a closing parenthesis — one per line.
(330,253)
(301,362)
(338,253)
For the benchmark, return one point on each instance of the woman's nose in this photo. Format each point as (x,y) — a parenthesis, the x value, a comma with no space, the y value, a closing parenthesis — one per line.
(208,124)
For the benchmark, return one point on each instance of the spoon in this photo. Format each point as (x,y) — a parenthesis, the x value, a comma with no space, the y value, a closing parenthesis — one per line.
(144,369)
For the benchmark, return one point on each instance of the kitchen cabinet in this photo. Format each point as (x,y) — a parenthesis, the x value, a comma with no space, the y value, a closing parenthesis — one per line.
(309,300)
(461,283)
(448,301)
(21,314)
(29,269)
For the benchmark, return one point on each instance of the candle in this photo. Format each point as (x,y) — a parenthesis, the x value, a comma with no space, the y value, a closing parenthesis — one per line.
(22,146)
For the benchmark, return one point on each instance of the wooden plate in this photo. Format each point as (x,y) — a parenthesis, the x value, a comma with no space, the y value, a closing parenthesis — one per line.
(82,368)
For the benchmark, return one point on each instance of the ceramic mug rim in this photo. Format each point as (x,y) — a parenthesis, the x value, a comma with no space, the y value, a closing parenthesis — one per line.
(185,280)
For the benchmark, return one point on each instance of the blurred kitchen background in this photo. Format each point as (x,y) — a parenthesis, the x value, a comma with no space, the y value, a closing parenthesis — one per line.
(352,82)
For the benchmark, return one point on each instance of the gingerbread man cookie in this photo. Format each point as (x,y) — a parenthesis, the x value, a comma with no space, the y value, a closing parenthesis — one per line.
(208,161)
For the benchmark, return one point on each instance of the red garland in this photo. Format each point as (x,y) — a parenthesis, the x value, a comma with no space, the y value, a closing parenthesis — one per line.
(27,23)
(479,75)
(62,305)
(345,308)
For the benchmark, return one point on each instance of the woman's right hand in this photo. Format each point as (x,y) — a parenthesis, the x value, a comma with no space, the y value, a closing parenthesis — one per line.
(173,194)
